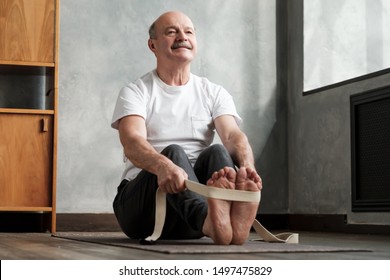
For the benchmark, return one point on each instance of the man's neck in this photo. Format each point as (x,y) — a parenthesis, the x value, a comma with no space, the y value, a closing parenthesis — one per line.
(177,76)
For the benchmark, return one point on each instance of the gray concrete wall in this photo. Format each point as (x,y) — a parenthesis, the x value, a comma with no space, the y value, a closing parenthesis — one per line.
(319,149)
(103,46)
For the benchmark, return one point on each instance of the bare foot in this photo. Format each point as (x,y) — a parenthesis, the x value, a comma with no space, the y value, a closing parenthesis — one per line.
(242,214)
(217,223)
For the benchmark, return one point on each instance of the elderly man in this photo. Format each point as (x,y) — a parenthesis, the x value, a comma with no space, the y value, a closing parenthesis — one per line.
(166,122)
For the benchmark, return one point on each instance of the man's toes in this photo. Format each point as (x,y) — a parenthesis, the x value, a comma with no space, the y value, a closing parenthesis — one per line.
(230,174)
(241,176)
(216,175)
(210,182)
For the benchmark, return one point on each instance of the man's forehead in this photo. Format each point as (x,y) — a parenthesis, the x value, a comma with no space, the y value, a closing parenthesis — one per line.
(177,27)
(175,20)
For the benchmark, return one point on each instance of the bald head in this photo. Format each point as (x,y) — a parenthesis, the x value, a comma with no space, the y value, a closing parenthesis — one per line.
(166,17)
(173,41)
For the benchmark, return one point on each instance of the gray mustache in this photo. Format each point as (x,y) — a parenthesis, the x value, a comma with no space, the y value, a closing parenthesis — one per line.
(182,44)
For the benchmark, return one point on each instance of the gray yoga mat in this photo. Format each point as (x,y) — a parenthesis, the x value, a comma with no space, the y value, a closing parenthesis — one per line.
(197,246)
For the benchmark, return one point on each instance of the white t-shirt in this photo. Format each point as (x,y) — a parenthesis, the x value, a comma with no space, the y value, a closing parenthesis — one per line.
(180,115)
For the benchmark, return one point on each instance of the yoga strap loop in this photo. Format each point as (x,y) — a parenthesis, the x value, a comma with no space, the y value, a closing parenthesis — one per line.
(225,194)
(285,237)
(161,206)
(218,193)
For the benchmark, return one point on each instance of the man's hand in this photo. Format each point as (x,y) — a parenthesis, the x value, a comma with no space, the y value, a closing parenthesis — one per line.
(170,178)
(132,132)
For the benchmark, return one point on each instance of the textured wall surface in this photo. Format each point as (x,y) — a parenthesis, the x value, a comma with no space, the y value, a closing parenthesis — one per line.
(319,139)
(103,46)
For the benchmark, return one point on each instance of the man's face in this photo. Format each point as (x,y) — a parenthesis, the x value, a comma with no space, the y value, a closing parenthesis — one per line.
(175,38)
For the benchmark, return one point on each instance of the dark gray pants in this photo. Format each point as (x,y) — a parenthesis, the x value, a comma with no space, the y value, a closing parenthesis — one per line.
(134,204)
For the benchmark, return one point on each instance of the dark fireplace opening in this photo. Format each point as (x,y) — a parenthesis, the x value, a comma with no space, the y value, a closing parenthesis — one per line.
(370,143)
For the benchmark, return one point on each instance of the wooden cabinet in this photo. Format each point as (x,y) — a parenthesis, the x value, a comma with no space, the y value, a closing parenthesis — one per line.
(26,160)
(29,32)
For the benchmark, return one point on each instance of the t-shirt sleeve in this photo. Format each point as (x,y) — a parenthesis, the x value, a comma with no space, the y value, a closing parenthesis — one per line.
(131,101)
(224,105)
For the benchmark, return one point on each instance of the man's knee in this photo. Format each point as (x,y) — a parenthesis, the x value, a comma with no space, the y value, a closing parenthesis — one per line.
(172,149)
(212,159)
(176,154)
(218,149)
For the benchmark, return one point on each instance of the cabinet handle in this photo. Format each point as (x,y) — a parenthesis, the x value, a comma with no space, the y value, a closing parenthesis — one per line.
(45,125)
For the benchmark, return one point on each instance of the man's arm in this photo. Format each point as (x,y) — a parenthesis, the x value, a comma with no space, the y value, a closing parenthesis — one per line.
(235,141)
(132,134)
(237,144)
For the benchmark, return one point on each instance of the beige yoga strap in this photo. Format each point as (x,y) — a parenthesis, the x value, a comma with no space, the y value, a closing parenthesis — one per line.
(218,193)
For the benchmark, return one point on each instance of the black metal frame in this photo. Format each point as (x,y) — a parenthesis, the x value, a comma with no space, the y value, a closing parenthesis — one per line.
(360,204)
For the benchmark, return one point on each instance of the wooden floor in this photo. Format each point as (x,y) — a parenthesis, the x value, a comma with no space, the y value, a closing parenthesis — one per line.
(42,246)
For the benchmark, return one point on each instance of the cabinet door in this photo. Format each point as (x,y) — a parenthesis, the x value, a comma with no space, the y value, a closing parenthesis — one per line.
(25,160)
(27,30)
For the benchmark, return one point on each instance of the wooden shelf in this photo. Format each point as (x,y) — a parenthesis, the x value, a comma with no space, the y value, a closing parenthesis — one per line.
(27,111)
(27,63)
(25,209)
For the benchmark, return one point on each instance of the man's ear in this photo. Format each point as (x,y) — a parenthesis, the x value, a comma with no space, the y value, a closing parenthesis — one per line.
(151,45)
